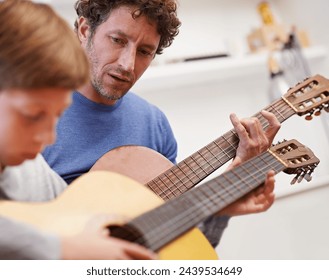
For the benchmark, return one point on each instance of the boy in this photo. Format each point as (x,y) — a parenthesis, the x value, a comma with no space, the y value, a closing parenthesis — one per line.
(41,62)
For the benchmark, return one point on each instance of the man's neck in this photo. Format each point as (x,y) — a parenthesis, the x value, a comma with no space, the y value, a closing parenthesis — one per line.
(89,92)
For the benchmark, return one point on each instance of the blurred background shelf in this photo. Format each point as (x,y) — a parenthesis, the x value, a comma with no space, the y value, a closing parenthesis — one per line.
(253,66)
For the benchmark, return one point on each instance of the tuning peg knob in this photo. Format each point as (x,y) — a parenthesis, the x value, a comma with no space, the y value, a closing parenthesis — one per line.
(301,177)
(317,113)
(308,177)
(309,117)
(294,180)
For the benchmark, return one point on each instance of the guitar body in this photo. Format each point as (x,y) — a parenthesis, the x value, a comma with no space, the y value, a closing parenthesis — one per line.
(137,162)
(102,192)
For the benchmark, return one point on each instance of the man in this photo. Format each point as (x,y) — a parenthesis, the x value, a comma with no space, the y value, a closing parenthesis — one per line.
(41,62)
(121,38)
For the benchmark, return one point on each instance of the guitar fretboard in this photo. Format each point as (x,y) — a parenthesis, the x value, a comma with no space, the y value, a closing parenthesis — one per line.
(189,172)
(165,223)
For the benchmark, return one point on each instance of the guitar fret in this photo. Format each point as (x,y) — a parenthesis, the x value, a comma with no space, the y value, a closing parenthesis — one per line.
(214,155)
(163,193)
(173,187)
(223,151)
(199,167)
(159,186)
(191,164)
(227,140)
(173,190)
(180,185)
(226,187)
(233,174)
(279,114)
(209,165)
(191,171)
(255,179)
(211,196)
(184,173)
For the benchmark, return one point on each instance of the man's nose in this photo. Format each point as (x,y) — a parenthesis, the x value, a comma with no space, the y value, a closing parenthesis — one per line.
(128,59)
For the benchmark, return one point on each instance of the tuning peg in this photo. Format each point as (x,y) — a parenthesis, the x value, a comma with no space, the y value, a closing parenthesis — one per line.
(301,177)
(308,177)
(309,117)
(317,113)
(326,108)
(294,180)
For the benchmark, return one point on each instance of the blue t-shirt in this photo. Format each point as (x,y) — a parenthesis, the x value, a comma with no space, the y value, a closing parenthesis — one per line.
(87,130)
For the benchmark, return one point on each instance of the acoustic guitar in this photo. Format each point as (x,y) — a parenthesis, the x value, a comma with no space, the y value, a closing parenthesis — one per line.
(167,228)
(168,181)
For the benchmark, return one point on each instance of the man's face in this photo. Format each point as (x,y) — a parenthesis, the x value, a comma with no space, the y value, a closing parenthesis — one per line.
(28,120)
(120,50)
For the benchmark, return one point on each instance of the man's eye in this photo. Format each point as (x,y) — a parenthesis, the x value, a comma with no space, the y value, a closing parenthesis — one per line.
(117,40)
(146,52)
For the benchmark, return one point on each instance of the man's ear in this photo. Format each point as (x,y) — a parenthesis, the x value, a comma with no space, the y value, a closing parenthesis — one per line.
(83,30)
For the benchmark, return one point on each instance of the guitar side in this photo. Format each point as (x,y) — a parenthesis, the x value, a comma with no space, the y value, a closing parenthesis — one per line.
(97,193)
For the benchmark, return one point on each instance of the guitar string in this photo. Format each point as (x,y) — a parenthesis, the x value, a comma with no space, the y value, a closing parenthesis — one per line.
(166,192)
(227,191)
(210,163)
(184,223)
(194,173)
(185,218)
(250,173)
(178,189)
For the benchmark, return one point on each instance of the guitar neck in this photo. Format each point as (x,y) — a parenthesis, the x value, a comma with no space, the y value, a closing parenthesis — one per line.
(167,222)
(189,172)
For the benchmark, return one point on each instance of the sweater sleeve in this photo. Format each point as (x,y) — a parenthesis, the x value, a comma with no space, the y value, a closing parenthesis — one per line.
(33,180)
(22,242)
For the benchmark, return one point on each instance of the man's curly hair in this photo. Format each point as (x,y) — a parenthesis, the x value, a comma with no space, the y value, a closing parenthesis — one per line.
(162,12)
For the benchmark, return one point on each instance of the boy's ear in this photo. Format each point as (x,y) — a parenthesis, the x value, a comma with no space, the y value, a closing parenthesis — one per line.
(83,30)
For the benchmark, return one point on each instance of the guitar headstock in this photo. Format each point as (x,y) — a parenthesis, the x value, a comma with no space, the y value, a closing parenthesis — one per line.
(297,158)
(309,97)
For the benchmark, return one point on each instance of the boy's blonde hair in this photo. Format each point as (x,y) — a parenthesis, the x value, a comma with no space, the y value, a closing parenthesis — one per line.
(38,49)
